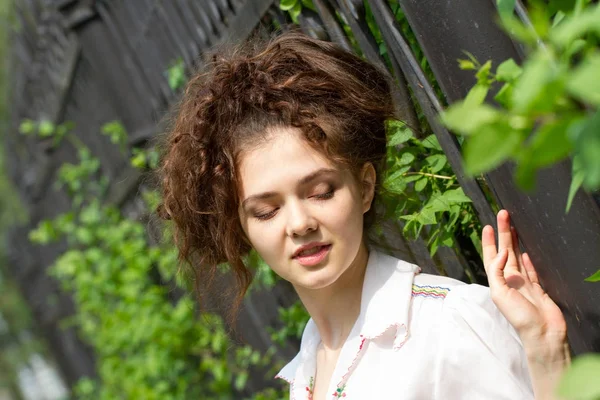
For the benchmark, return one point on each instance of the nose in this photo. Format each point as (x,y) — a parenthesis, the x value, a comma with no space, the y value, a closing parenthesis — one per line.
(300,221)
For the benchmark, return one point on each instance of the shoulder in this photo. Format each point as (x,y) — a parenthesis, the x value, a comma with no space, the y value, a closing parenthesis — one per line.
(460,309)
(434,286)
(454,305)
(454,293)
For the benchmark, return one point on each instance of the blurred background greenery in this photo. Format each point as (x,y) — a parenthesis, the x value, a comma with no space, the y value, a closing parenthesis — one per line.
(93,303)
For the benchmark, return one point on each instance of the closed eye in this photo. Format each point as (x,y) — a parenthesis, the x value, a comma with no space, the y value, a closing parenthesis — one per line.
(266,216)
(324,196)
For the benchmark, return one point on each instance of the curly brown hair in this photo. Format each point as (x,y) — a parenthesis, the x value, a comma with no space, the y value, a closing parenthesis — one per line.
(337,100)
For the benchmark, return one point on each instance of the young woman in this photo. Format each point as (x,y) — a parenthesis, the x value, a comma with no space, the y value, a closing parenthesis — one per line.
(280,148)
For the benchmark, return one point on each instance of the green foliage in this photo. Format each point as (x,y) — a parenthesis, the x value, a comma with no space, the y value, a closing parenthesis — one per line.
(294,320)
(580,382)
(594,278)
(264,277)
(547,108)
(176,75)
(421,189)
(117,134)
(294,7)
(547,111)
(145,158)
(148,345)
(45,129)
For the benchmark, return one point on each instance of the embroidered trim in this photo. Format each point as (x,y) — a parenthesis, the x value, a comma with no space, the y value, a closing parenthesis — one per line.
(429,291)
(340,391)
(398,344)
(290,381)
(310,388)
(341,387)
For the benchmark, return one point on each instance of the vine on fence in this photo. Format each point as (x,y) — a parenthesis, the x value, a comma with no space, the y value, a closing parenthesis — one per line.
(147,345)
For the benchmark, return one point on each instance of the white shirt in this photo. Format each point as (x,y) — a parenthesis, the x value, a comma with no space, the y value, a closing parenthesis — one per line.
(418,336)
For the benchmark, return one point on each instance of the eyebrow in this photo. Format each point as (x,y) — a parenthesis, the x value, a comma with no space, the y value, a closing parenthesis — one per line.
(303,181)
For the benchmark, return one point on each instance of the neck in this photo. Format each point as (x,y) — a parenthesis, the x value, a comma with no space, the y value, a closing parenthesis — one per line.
(335,308)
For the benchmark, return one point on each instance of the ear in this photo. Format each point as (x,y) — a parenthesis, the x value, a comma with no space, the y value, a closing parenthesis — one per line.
(368,177)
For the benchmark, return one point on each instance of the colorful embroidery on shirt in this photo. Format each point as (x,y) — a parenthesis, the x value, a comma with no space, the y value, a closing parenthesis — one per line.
(340,391)
(429,291)
(310,388)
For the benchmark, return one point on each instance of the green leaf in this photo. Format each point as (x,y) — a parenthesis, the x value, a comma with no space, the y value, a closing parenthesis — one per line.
(476,95)
(295,12)
(286,5)
(411,178)
(515,28)
(504,95)
(437,162)
(426,217)
(398,172)
(455,196)
(560,5)
(484,72)
(26,127)
(578,176)
(508,71)
(466,65)
(587,147)
(309,4)
(576,26)
(241,380)
(505,8)
(397,186)
(540,19)
(420,184)
(489,148)
(431,142)
(580,381)
(575,47)
(401,133)
(584,82)
(464,119)
(526,172)
(538,88)
(551,143)
(406,158)
(46,128)
(594,277)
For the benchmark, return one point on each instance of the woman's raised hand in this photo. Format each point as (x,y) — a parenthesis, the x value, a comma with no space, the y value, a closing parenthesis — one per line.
(516,291)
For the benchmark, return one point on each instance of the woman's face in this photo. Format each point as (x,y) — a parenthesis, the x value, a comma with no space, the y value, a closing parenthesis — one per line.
(302,214)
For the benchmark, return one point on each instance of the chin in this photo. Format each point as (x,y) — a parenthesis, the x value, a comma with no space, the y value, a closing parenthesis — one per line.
(316,280)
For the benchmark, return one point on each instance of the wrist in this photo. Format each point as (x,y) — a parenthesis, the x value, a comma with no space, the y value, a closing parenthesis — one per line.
(547,358)
(550,345)
(546,364)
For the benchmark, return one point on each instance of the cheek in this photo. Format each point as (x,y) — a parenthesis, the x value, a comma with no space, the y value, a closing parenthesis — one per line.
(344,218)
(266,238)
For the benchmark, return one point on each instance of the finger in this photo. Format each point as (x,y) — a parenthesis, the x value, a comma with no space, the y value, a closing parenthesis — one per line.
(504,233)
(488,245)
(530,269)
(516,248)
(495,271)
(505,240)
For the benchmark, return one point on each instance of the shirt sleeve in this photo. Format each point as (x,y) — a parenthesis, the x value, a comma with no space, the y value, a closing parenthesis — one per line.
(480,354)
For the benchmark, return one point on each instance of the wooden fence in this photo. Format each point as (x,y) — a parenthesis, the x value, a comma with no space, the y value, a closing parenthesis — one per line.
(92,62)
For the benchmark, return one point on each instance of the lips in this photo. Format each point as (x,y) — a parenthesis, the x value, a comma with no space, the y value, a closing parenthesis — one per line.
(308,249)
(312,254)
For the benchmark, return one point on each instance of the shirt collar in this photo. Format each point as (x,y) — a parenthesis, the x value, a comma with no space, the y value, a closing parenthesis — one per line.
(385,304)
